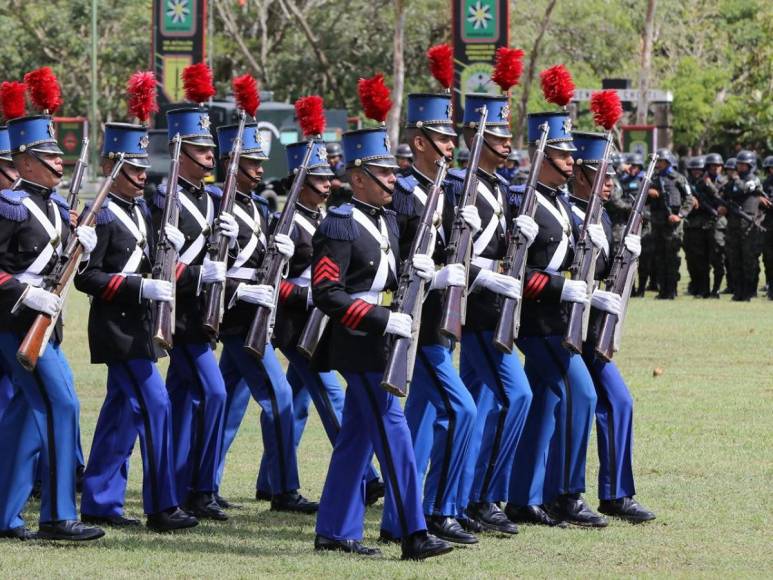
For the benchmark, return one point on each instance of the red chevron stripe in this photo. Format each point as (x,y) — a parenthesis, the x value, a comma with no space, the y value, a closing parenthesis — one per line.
(178,271)
(360,315)
(536,285)
(285,288)
(355,313)
(4,277)
(325,272)
(112,287)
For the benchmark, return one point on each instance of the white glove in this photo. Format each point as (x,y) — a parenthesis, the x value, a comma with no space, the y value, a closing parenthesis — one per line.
(399,324)
(633,244)
(284,245)
(424,265)
(606,301)
(574,291)
(451,275)
(226,224)
(212,271)
(528,227)
(597,236)
(42,301)
(158,290)
(471,217)
(261,294)
(87,236)
(499,284)
(175,236)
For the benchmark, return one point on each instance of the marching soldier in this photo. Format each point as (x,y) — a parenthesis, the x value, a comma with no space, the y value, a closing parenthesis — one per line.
(356,259)
(196,388)
(42,416)
(614,409)
(767,186)
(120,335)
(670,200)
(730,175)
(550,459)
(713,181)
(264,379)
(440,410)
(698,230)
(324,388)
(8,176)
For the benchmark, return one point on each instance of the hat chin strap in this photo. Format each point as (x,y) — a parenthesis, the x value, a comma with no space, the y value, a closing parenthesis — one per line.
(46,164)
(131,179)
(316,190)
(205,167)
(494,151)
(376,179)
(4,174)
(426,132)
(254,180)
(552,163)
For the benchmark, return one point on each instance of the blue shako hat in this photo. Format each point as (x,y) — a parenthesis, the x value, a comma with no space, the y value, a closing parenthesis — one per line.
(368,147)
(131,140)
(251,145)
(35,133)
(193,125)
(560,129)
(5,144)
(318,164)
(430,111)
(590,150)
(498,120)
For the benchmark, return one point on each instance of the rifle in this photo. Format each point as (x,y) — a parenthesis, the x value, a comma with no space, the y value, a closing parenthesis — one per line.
(621,276)
(273,262)
(735,208)
(515,260)
(312,332)
(410,294)
(218,243)
(585,254)
(60,279)
(77,175)
(165,262)
(459,246)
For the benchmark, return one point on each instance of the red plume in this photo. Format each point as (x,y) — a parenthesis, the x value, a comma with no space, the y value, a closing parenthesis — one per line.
(311,115)
(142,95)
(508,67)
(374,96)
(246,93)
(12,99)
(606,108)
(197,83)
(557,85)
(44,89)
(441,64)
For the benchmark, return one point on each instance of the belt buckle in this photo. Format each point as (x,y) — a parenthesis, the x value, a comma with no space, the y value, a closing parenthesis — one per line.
(55,241)
(385,298)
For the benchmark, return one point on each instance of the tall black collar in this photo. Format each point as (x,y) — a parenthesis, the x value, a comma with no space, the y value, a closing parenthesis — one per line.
(373,211)
(423,180)
(311,213)
(36,188)
(197,190)
(122,202)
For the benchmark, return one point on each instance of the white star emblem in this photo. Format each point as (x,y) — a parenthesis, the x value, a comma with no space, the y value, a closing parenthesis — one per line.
(322,153)
(505,112)
(204,122)
(567,125)
(144,142)
(449,110)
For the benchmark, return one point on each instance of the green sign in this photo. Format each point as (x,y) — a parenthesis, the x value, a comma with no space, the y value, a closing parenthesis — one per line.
(480,20)
(70,132)
(639,139)
(179,17)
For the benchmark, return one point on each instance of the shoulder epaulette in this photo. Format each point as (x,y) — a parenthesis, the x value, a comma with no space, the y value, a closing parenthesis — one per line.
(61,203)
(104,215)
(159,198)
(454,183)
(214,191)
(11,206)
(391,220)
(402,198)
(339,224)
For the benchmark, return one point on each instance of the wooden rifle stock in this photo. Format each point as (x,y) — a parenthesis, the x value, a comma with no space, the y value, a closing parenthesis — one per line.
(218,247)
(460,240)
(624,266)
(515,260)
(271,268)
(585,254)
(410,294)
(165,262)
(59,281)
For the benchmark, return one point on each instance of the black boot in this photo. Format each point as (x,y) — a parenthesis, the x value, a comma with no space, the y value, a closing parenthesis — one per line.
(225,504)
(112,521)
(322,543)
(385,537)
(470,524)
(204,506)
(626,508)
(69,530)
(572,509)
(261,495)
(374,490)
(448,529)
(421,545)
(20,533)
(171,520)
(531,514)
(292,501)
(491,518)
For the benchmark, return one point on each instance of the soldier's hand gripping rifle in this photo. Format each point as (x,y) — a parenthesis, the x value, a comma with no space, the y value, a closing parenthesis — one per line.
(165,262)
(77,175)
(270,270)
(623,272)
(585,254)
(218,243)
(459,246)
(515,260)
(410,293)
(61,278)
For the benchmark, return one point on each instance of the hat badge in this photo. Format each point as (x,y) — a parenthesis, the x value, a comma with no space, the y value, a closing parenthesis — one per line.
(449,110)
(144,142)
(504,113)
(322,153)
(51,129)
(204,121)
(567,125)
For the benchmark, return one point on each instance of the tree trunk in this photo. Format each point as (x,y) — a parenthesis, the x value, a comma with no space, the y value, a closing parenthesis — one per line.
(645,67)
(398,73)
(530,74)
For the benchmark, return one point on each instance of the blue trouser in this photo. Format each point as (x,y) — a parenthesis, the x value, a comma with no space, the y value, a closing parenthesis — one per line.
(41,418)
(550,459)
(268,384)
(328,395)
(6,391)
(136,403)
(502,395)
(197,393)
(372,421)
(440,412)
(614,427)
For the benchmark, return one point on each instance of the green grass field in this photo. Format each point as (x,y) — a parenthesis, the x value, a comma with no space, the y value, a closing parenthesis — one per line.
(703,461)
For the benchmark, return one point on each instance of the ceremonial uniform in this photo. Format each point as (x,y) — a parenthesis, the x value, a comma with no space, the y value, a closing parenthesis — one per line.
(6,385)
(195,385)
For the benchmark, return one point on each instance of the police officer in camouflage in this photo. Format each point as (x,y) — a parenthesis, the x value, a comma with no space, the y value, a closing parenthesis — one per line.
(767,250)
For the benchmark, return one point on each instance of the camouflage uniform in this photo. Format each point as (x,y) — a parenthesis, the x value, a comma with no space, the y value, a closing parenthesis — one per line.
(704,240)
(767,250)
(619,209)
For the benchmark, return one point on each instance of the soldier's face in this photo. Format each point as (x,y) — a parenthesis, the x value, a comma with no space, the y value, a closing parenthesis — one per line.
(367,190)
(31,169)
(743,168)
(696,173)
(130,181)
(608,187)
(8,174)
(250,173)
(313,198)
(564,164)
(662,165)
(634,169)
(502,145)
(713,170)
(334,160)
(403,162)
(444,143)
(197,162)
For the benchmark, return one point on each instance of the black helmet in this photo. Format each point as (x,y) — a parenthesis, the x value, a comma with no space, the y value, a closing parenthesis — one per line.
(404,151)
(616,159)
(514,156)
(698,162)
(636,159)
(463,155)
(747,157)
(730,163)
(665,154)
(334,149)
(768,162)
(713,159)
